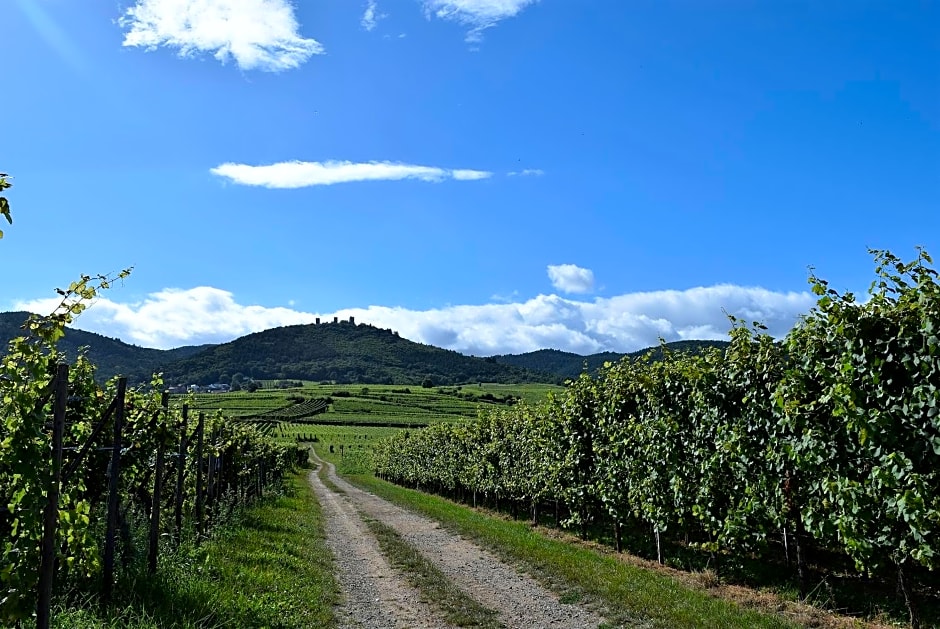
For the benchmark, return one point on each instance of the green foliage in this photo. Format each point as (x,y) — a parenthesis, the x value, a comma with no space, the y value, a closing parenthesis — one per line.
(4,204)
(26,468)
(25,449)
(576,464)
(267,566)
(860,403)
(834,434)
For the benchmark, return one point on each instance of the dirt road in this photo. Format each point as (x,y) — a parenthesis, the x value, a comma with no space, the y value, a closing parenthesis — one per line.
(378,597)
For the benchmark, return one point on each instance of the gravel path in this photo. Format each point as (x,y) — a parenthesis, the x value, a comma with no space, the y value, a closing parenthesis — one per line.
(375,595)
(520,601)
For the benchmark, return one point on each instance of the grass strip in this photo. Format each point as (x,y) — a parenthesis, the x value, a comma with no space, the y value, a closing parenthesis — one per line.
(631,594)
(324,477)
(458,608)
(269,567)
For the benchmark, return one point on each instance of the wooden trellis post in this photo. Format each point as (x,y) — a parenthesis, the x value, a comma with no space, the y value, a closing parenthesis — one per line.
(50,516)
(200,499)
(114,475)
(181,474)
(157,487)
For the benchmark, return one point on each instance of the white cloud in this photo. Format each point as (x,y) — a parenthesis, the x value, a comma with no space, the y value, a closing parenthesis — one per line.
(623,323)
(257,34)
(527,172)
(371,16)
(479,15)
(570,278)
(174,317)
(304,174)
(470,175)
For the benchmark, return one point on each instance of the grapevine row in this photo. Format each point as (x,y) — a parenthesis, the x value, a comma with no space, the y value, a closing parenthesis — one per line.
(307,408)
(199,466)
(829,439)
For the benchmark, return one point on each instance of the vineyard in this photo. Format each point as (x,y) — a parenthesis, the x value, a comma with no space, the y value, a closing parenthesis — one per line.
(98,479)
(820,451)
(817,455)
(298,412)
(371,405)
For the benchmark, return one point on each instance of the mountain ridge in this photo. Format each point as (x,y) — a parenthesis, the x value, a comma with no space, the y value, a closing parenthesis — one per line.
(110,355)
(342,351)
(570,365)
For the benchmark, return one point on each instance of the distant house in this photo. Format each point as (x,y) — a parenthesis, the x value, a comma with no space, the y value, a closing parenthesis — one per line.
(218,387)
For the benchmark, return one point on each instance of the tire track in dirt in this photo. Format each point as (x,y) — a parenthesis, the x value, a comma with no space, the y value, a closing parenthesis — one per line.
(522,603)
(376,596)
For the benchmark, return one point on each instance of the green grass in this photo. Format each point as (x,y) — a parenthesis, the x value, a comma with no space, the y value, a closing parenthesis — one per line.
(631,594)
(347,447)
(530,393)
(347,461)
(268,568)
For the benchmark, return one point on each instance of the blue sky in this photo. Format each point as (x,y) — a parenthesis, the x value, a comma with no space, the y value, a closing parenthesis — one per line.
(492,176)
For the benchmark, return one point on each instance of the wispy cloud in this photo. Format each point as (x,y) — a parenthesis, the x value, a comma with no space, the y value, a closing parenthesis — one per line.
(371,16)
(257,34)
(570,278)
(305,174)
(479,15)
(527,172)
(623,323)
(464,174)
(513,296)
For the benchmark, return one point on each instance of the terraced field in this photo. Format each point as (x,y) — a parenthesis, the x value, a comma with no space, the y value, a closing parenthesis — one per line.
(356,416)
(369,405)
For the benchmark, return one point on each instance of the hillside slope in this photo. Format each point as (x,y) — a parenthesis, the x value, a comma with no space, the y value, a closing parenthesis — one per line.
(111,356)
(341,352)
(568,365)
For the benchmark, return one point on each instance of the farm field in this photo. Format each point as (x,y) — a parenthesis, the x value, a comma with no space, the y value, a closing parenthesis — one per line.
(359,416)
(375,405)
(348,447)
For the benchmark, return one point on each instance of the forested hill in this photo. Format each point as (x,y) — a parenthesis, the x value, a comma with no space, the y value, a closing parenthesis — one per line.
(111,356)
(342,352)
(568,365)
